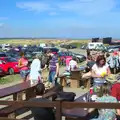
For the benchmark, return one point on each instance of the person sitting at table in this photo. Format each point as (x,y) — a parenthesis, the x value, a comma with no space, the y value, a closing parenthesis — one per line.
(67,61)
(115,90)
(99,71)
(104,96)
(73,64)
(41,113)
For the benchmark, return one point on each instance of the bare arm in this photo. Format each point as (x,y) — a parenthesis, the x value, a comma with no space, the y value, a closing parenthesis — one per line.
(57,68)
(95,75)
(108,71)
(19,64)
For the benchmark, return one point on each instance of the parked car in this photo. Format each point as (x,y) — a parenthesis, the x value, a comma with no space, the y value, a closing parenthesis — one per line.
(69,46)
(6,47)
(63,56)
(9,65)
(80,57)
(83,47)
(2,54)
(113,48)
(2,72)
(54,50)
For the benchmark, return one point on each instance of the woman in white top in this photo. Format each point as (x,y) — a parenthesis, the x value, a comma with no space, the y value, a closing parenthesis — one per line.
(100,70)
(73,64)
(35,70)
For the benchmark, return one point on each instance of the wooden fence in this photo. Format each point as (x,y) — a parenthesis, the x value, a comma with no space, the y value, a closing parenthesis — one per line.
(59,105)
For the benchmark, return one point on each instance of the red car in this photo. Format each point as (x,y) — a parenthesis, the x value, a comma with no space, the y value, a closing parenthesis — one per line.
(9,65)
(63,56)
(1,72)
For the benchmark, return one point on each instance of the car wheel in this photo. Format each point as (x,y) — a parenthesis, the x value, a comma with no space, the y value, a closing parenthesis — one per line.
(77,59)
(11,71)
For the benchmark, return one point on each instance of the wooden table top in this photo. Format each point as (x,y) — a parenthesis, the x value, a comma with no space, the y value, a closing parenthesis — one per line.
(15,89)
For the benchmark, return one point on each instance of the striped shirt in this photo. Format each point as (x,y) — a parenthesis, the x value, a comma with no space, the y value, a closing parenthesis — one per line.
(52,64)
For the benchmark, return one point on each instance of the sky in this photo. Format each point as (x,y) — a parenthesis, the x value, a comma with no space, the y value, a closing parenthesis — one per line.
(60,18)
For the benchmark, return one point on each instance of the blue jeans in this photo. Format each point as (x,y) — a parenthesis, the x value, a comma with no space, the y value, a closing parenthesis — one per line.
(51,77)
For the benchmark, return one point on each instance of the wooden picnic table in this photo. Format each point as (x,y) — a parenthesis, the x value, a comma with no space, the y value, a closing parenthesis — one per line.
(76,79)
(15,90)
(80,113)
(21,91)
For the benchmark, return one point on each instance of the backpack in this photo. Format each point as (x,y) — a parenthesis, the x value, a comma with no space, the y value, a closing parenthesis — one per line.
(66,96)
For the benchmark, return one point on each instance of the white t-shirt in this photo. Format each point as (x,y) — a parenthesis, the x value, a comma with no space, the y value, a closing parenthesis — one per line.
(72,64)
(100,70)
(35,70)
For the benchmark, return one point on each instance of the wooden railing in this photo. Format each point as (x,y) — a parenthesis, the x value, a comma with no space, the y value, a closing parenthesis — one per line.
(59,105)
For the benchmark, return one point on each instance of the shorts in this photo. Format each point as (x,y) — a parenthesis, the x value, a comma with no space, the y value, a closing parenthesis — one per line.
(24,73)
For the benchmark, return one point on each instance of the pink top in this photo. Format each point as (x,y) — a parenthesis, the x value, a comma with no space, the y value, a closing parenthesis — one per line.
(68,61)
(24,62)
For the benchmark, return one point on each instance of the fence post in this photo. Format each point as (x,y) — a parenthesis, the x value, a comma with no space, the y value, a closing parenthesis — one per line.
(58,110)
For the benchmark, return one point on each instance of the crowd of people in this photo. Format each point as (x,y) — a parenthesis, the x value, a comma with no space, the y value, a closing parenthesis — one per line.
(99,66)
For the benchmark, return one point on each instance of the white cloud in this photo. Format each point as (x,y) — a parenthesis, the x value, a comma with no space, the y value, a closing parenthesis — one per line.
(82,7)
(90,7)
(34,6)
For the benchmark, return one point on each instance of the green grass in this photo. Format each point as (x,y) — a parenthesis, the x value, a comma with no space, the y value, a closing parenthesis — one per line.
(9,79)
(38,41)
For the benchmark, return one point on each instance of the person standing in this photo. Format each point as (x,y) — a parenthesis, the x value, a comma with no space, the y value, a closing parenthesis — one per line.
(23,66)
(35,70)
(53,67)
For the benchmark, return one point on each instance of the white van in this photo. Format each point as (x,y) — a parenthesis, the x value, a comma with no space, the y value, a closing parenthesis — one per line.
(96,45)
(42,45)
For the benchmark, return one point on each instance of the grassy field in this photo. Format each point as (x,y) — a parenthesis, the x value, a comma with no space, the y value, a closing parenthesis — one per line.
(9,78)
(38,41)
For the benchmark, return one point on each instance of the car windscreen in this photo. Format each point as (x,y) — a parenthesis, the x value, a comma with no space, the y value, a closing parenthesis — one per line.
(3,55)
(54,49)
(10,59)
(61,54)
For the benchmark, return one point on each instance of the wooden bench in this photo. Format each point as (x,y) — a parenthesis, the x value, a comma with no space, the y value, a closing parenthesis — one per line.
(18,91)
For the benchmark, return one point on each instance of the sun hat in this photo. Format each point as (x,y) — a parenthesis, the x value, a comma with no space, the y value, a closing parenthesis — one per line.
(111,78)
